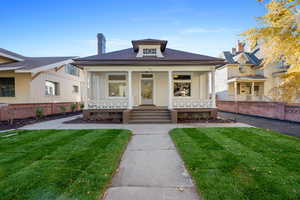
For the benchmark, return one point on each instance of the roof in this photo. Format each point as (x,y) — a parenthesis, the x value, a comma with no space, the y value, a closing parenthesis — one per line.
(33,64)
(162,43)
(128,57)
(255,77)
(252,58)
(11,55)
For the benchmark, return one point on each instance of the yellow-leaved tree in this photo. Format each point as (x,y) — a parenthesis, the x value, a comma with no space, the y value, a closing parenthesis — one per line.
(278,35)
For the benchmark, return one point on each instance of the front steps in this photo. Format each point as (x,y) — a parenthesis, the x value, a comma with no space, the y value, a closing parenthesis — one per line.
(149,115)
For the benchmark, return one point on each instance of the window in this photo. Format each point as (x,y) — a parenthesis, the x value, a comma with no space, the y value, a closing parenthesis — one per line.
(117,85)
(51,88)
(72,70)
(182,85)
(7,87)
(149,52)
(75,89)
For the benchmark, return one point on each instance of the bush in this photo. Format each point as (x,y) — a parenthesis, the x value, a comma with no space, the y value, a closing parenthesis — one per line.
(39,112)
(73,107)
(81,106)
(63,109)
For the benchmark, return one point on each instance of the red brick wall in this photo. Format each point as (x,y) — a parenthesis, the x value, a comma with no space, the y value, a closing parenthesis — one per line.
(275,110)
(20,111)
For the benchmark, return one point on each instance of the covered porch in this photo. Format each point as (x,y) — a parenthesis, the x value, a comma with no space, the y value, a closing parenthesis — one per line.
(152,88)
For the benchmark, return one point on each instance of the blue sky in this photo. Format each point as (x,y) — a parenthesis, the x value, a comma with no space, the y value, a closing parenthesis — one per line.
(69,27)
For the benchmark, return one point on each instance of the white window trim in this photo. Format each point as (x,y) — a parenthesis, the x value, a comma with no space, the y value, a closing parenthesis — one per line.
(182,81)
(58,92)
(116,81)
(149,54)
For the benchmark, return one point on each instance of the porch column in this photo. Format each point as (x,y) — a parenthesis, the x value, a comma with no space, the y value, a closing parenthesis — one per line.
(170,105)
(86,88)
(252,90)
(130,100)
(213,88)
(235,91)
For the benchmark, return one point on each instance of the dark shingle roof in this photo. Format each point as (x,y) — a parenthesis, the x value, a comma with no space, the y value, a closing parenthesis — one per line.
(252,57)
(128,56)
(29,63)
(10,53)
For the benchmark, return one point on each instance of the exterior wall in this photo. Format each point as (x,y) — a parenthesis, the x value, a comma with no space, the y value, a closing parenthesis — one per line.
(22,87)
(272,80)
(33,91)
(21,111)
(275,110)
(200,87)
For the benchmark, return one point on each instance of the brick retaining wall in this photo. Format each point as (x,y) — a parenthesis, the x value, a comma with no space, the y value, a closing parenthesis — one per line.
(274,110)
(21,111)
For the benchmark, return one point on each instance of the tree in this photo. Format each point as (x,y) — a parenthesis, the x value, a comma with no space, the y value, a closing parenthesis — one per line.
(278,35)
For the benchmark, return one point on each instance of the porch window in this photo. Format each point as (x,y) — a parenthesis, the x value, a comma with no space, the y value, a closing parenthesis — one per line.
(117,85)
(7,87)
(182,85)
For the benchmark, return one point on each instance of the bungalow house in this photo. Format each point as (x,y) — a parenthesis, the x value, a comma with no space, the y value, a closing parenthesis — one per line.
(37,80)
(244,77)
(148,83)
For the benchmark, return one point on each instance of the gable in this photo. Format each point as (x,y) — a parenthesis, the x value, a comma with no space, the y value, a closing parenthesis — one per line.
(4,60)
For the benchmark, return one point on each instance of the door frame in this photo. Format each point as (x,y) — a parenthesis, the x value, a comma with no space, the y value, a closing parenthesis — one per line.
(140,86)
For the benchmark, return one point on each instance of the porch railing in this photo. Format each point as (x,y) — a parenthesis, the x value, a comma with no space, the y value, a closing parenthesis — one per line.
(108,104)
(192,103)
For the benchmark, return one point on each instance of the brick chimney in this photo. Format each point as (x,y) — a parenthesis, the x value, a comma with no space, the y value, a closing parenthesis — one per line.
(101,43)
(240,47)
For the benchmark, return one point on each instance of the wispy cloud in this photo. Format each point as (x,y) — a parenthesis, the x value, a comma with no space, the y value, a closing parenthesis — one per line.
(208,30)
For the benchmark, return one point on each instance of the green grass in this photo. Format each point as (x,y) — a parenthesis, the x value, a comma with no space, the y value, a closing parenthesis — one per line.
(241,163)
(59,164)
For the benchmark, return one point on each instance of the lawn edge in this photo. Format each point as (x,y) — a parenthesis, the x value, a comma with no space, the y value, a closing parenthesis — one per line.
(181,157)
(106,187)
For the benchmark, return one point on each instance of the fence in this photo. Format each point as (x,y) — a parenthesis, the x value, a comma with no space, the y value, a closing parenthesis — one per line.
(274,110)
(21,111)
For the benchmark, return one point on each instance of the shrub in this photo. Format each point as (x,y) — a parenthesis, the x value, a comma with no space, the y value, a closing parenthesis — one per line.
(73,107)
(63,109)
(81,106)
(39,112)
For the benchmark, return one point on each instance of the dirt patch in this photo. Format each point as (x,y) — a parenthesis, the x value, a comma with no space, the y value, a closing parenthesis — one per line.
(208,121)
(80,120)
(17,123)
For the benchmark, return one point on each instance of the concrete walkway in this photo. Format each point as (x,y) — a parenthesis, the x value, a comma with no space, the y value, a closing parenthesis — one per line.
(151,167)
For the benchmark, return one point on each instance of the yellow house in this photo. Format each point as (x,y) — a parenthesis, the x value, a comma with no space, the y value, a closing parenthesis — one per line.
(27,80)
(245,77)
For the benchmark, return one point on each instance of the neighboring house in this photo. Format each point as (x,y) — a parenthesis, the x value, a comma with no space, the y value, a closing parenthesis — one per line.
(148,77)
(244,77)
(31,80)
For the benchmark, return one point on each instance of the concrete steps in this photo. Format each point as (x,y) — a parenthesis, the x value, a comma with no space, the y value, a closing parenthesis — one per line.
(147,116)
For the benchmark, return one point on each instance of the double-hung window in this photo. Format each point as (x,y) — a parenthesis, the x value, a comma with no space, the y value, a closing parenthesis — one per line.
(182,85)
(117,85)
(51,88)
(7,87)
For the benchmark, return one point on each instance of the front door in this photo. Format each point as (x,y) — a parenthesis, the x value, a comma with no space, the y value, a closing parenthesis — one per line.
(147,89)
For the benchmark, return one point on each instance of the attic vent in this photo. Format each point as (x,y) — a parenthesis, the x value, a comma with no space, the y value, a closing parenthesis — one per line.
(149,52)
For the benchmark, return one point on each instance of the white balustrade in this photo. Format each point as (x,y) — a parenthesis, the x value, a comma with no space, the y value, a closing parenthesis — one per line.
(192,103)
(108,104)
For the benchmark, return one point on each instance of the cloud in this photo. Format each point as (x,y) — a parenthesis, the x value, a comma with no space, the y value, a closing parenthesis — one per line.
(207,30)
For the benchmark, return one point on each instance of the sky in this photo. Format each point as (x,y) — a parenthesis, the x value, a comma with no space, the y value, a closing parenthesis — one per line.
(69,27)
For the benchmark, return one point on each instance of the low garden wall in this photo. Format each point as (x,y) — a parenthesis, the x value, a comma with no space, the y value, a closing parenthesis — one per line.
(274,110)
(22,111)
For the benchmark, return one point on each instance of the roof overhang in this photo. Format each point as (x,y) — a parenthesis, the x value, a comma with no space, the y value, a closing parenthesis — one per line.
(136,43)
(246,79)
(10,57)
(44,68)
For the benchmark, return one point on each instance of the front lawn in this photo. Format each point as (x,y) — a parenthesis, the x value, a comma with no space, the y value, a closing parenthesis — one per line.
(241,163)
(59,164)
